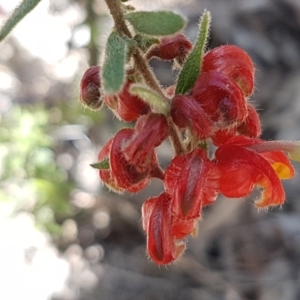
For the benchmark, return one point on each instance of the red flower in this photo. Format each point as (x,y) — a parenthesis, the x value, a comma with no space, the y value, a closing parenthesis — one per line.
(150,131)
(125,106)
(105,174)
(90,88)
(216,108)
(233,62)
(175,46)
(251,125)
(121,175)
(220,97)
(242,168)
(162,246)
(187,112)
(192,182)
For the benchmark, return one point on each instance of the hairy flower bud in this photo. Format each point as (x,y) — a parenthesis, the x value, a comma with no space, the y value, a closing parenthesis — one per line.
(187,112)
(251,125)
(162,247)
(90,84)
(150,131)
(192,181)
(233,62)
(126,106)
(172,47)
(220,97)
(125,174)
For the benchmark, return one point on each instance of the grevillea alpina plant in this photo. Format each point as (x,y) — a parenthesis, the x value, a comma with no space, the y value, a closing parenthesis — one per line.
(212,126)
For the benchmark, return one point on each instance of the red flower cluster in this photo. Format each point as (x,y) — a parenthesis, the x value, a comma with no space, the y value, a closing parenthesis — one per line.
(216,110)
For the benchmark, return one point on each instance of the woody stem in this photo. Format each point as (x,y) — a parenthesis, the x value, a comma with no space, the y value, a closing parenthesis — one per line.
(142,66)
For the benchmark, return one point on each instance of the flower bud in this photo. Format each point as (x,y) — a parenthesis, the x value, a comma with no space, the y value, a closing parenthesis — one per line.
(162,247)
(90,84)
(192,182)
(187,112)
(126,106)
(150,131)
(172,47)
(233,62)
(220,97)
(251,125)
(124,173)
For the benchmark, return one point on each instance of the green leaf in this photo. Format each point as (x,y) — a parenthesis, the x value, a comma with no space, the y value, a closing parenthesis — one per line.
(156,22)
(101,165)
(18,14)
(192,67)
(158,103)
(113,71)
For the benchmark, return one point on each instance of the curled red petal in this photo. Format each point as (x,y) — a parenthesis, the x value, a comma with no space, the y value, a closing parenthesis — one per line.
(150,131)
(187,112)
(220,97)
(251,125)
(242,169)
(280,163)
(104,153)
(125,174)
(126,106)
(162,247)
(278,159)
(233,62)
(107,177)
(192,181)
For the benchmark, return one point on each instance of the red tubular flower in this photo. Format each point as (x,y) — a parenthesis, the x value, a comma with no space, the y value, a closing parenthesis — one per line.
(125,106)
(220,97)
(162,247)
(187,112)
(192,181)
(90,88)
(175,46)
(125,175)
(150,131)
(242,168)
(233,62)
(106,175)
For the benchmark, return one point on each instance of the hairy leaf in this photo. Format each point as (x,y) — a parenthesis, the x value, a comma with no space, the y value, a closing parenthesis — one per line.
(113,71)
(157,103)
(156,23)
(192,66)
(18,14)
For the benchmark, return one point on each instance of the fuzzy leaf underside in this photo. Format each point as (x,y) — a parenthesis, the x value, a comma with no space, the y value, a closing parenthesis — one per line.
(156,23)
(113,71)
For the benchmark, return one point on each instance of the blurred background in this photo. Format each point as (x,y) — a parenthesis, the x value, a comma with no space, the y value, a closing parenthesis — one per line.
(63,235)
